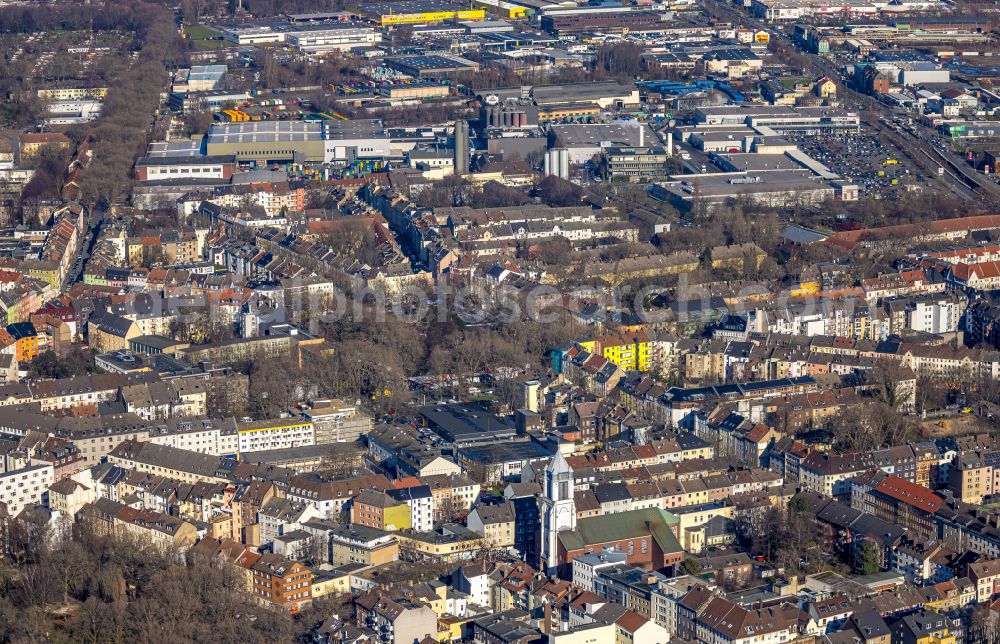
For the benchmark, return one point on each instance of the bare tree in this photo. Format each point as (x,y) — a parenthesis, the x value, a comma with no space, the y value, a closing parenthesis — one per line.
(984,626)
(868,426)
(341,461)
(449,508)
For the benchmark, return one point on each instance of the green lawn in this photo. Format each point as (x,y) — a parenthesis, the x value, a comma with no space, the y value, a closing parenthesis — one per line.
(789,83)
(201,32)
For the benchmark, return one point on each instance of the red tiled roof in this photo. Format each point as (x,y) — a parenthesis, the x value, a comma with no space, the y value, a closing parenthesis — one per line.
(409,481)
(848,239)
(909,493)
(982,270)
(44,137)
(631,621)
(758,432)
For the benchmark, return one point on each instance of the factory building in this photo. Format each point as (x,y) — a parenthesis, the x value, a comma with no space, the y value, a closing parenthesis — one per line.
(202,167)
(619,22)
(299,141)
(584,141)
(434,65)
(773,189)
(779,118)
(332,38)
(416,12)
(636,164)
(509,114)
(603,94)
(199,78)
(506,9)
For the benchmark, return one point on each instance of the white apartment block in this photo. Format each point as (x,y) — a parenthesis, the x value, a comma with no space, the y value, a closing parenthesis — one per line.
(585,568)
(277,433)
(940,316)
(422,513)
(25,487)
(206,436)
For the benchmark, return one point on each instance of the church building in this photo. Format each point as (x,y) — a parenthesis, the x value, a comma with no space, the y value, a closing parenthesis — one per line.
(648,537)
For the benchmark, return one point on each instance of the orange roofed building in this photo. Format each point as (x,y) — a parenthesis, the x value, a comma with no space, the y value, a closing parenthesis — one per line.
(280,581)
(898,501)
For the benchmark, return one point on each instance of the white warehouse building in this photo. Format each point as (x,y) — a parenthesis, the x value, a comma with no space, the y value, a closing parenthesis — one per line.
(339,38)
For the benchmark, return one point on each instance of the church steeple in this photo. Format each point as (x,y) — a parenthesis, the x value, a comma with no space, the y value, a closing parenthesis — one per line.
(558,509)
(559,478)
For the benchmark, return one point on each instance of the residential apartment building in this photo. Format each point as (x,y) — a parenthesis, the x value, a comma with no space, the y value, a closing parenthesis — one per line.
(631,352)
(22,488)
(985,574)
(167,461)
(901,502)
(277,433)
(376,509)
(281,582)
(495,522)
(357,544)
(420,501)
(394,620)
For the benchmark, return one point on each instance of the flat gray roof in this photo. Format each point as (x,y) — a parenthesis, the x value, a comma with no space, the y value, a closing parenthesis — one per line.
(801,235)
(433,61)
(174,148)
(759,162)
(262,131)
(410,6)
(729,133)
(722,185)
(594,134)
(545,94)
(356,129)
(291,131)
(185,160)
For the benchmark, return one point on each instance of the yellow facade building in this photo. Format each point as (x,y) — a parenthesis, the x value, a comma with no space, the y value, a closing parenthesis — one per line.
(72,93)
(414,12)
(631,352)
(505,9)
(330,583)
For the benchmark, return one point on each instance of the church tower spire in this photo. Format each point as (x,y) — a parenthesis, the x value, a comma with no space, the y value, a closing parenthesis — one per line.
(558,509)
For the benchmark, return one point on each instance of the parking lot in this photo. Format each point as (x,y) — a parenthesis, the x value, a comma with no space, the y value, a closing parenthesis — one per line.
(868,160)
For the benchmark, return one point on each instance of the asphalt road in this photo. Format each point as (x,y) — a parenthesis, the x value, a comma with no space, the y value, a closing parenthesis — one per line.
(86,249)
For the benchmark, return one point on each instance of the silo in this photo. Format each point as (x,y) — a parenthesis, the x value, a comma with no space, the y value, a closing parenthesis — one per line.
(461,158)
(564,164)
